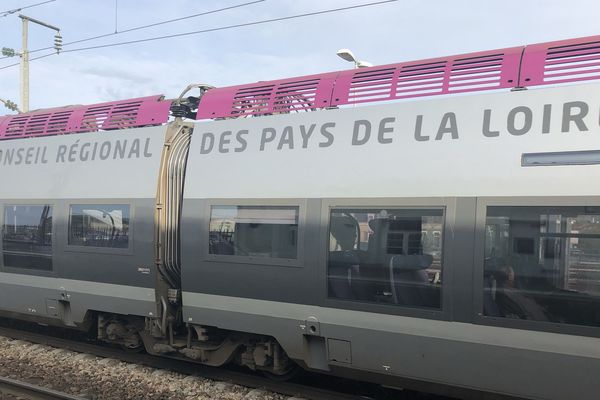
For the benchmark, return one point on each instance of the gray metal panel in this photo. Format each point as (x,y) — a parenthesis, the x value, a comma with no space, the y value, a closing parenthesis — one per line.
(134,266)
(99,264)
(86,279)
(515,362)
(461,248)
(339,351)
(270,281)
(242,276)
(28,294)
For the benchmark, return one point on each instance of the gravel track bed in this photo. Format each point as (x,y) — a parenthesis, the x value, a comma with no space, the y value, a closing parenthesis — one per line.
(99,378)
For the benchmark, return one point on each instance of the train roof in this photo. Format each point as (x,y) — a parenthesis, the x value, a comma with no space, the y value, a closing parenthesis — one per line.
(565,61)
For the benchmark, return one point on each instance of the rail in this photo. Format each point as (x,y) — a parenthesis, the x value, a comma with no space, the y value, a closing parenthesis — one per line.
(29,391)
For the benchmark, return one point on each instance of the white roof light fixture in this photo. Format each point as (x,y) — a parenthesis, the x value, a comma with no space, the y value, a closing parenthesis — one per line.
(346,54)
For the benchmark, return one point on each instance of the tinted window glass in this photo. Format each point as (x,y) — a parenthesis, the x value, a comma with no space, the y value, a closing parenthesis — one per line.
(391,256)
(27,237)
(257,231)
(543,264)
(99,225)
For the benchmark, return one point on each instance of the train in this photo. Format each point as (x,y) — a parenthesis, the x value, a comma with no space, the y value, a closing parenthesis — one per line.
(430,225)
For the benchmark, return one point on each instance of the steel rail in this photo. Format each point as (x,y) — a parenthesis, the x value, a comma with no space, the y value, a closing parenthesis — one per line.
(20,389)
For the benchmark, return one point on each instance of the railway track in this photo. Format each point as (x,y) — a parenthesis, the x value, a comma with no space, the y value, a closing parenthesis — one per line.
(17,389)
(302,390)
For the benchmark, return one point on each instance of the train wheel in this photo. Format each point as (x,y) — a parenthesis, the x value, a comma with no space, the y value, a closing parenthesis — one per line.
(292,371)
(139,348)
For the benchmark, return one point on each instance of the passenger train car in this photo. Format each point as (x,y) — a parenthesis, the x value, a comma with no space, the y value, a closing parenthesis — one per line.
(431,224)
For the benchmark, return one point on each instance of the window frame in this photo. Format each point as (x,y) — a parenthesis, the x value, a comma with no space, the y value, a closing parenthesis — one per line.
(30,271)
(479,258)
(94,249)
(448,207)
(298,262)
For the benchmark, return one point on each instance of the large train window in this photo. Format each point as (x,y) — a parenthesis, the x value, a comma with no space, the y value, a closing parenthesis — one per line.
(390,256)
(543,264)
(99,225)
(254,231)
(27,237)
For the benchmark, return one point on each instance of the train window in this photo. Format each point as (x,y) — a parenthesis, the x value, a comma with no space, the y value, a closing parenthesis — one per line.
(99,225)
(390,256)
(27,237)
(254,231)
(543,264)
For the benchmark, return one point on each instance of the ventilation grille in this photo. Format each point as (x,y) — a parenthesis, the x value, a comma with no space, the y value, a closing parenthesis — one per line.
(371,85)
(37,125)
(57,123)
(295,96)
(114,115)
(476,73)
(252,101)
(285,97)
(111,116)
(495,69)
(427,79)
(574,62)
(421,79)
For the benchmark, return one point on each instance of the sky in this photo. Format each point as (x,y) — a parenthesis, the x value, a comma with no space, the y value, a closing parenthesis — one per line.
(399,31)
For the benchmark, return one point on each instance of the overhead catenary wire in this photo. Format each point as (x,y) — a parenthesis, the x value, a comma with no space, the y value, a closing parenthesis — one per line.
(221,28)
(137,28)
(31,59)
(16,10)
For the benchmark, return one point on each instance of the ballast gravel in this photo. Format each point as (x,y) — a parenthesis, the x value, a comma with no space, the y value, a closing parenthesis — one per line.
(97,378)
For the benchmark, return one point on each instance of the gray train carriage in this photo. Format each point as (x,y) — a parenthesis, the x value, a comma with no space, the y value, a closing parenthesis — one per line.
(449,245)
(444,241)
(78,226)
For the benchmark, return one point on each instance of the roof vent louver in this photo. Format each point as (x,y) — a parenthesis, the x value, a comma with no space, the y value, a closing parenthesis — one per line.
(420,79)
(476,73)
(486,70)
(580,61)
(76,119)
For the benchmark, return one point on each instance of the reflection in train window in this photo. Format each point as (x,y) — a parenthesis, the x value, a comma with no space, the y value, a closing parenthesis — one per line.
(543,264)
(99,225)
(390,256)
(254,231)
(27,237)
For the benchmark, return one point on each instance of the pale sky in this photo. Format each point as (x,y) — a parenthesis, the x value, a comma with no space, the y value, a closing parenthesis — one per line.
(400,31)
